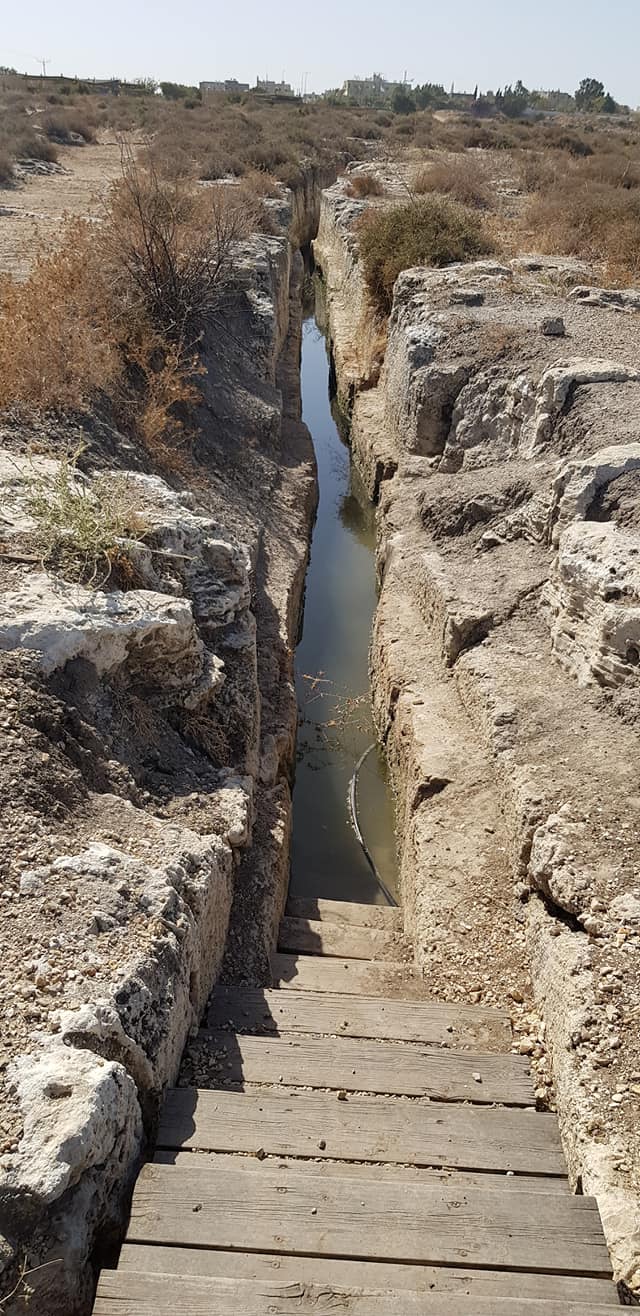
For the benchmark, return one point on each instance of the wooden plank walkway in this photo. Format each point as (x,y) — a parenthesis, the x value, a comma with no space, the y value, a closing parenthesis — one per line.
(335,1014)
(358,1148)
(313,973)
(313,937)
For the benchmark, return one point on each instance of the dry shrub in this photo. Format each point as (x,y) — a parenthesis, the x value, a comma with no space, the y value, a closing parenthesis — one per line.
(168,250)
(462,133)
(611,167)
(252,193)
(258,183)
(537,170)
(19,139)
(66,125)
(558,138)
(270,157)
(118,310)
(431,231)
(172,165)
(592,220)
(404,128)
(57,347)
(31,145)
(363,185)
(166,389)
(460,177)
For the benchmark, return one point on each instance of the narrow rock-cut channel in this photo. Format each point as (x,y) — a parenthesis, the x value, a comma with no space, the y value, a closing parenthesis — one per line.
(336,727)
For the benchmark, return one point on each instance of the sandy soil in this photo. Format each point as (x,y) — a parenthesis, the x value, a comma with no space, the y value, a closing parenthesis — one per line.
(34,210)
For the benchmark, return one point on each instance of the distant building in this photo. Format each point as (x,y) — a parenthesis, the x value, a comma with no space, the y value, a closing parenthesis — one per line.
(369,91)
(555,100)
(228,87)
(269,88)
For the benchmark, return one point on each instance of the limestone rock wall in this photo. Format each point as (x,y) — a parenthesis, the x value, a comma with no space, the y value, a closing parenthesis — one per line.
(145,755)
(351,328)
(504,663)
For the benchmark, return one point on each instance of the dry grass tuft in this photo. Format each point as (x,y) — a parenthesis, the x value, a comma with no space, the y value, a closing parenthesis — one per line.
(364,185)
(86,532)
(460,177)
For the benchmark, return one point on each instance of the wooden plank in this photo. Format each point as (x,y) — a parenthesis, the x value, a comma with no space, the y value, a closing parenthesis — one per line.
(363,977)
(256,1010)
(339,939)
(462,1179)
(359,1065)
(192,1204)
(342,911)
(465,1137)
(373,1275)
(140,1294)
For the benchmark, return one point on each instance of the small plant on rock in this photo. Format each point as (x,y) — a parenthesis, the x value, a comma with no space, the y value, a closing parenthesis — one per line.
(84,530)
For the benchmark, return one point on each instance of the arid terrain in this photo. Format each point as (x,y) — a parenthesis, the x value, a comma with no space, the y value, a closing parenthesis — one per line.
(157,495)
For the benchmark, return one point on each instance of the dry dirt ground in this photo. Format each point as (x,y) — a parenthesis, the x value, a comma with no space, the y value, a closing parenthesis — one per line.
(34,209)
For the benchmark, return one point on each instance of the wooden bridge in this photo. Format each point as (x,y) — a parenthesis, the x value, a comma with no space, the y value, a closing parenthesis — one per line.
(360,1150)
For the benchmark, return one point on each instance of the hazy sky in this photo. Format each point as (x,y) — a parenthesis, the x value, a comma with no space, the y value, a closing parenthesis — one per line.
(547,43)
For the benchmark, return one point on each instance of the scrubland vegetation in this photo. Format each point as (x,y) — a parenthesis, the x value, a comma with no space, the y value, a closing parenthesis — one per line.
(116,313)
(427,231)
(114,316)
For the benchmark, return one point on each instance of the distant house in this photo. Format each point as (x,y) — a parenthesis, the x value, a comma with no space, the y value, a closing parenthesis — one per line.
(269,88)
(228,87)
(368,91)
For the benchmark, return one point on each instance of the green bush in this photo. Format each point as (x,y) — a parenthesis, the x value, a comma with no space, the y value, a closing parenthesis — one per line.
(429,231)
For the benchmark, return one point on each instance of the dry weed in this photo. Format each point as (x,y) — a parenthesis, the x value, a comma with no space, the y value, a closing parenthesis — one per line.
(57,345)
(364,185)
(460,177)
(117,312)
(591,220)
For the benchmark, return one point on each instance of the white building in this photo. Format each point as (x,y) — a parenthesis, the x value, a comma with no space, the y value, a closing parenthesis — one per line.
(269,88)
(228,87)
(368,91)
